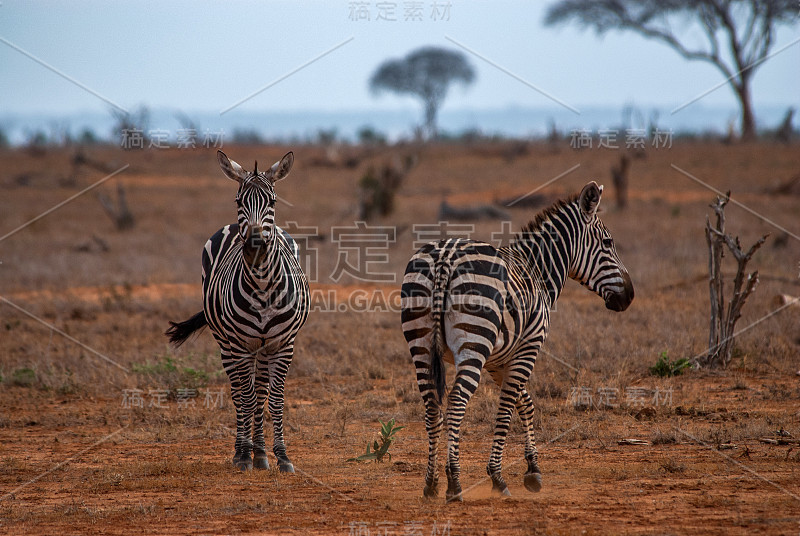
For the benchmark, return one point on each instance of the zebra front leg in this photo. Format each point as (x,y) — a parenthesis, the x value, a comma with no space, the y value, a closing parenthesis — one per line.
(278,368)
(260,460)
(243,394)
(533,476)
(464,387)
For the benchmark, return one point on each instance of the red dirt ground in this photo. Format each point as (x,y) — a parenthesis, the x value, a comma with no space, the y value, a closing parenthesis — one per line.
(80,465)
(75,460)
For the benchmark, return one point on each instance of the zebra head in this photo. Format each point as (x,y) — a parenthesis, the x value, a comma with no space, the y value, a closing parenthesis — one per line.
(596,264)
(255,200)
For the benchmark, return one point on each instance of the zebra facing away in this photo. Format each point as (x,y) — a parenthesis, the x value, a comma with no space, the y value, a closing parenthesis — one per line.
(255,300)
(479,308)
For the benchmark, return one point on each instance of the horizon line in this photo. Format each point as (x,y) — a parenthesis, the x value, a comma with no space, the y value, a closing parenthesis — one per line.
(391,109)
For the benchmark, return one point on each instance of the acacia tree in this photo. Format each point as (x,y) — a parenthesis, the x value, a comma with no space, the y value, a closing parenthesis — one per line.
(425,73)
(738,34)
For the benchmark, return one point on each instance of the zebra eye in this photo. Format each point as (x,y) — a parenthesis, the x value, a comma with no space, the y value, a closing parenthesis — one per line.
(607,242)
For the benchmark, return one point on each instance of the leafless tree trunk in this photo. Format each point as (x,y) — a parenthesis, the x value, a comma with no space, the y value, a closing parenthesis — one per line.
(119,212)
(723,321)
(619,174)
(378,188)
(735,35)
(785,130)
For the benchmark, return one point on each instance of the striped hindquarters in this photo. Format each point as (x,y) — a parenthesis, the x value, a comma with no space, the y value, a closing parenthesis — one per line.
(453,298)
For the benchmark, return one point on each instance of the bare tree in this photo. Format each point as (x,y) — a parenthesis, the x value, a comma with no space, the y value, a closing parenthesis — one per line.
(119,212)
(130,127)
(785,131)
(738,33)
(425,73)
(377,189)
(619,175)
(723,321)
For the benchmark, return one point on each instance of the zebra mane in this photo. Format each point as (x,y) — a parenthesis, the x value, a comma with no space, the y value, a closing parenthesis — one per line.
(535,225)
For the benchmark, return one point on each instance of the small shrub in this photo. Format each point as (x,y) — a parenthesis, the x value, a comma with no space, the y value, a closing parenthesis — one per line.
(666,368)
(381,445)
(739,384)
(670,465)
(23,377)
(663,438)
(166,366)
(173,375)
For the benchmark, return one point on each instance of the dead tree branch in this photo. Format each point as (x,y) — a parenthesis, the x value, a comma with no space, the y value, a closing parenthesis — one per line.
(119,212)
(722,327)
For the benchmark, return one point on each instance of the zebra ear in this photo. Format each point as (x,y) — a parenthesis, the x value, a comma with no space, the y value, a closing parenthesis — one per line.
(589,199)
(232,170)
(280,169)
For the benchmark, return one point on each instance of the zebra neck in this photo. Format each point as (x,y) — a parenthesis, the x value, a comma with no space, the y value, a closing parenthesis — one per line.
(547,252)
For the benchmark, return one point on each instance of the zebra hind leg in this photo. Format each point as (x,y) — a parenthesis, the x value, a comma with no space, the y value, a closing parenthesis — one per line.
(464,387)
(533,476)
(433,425)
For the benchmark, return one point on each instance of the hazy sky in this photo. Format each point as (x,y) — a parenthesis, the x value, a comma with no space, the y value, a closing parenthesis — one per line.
(206,56)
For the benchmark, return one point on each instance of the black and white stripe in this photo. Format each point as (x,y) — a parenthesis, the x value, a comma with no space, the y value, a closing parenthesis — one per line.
(483,308)
(256,299)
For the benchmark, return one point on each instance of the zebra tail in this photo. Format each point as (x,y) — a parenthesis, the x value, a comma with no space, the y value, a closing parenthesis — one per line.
(439,297)
(179,332)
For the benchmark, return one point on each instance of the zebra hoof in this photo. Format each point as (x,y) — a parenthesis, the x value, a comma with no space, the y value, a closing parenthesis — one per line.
(454,493)
(503,491)
(499,484)
(431,490)
(242,461)
(533,482)
(244,465)
(260,461)
(454,497)
(285,466)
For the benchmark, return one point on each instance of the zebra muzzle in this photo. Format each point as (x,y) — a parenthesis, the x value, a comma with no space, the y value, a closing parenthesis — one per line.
(258,237)
(619,301)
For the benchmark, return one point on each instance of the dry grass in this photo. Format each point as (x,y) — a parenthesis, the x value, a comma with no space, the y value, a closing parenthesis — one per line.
(168,467)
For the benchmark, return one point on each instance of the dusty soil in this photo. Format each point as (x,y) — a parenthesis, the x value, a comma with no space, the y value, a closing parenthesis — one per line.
(80,464)
(716,451)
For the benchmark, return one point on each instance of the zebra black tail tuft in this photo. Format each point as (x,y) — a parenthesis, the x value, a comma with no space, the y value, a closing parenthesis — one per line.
(437,374)
(179,332)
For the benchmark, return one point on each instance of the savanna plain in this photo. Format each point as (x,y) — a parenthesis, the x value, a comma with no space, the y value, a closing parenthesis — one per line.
(106,429)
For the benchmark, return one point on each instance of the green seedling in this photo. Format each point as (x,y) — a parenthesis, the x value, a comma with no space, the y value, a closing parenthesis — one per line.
(380,447)
(666,368)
